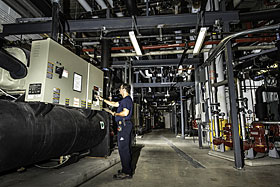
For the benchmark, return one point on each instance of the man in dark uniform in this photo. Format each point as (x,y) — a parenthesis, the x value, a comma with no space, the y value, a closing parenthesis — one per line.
(122,117)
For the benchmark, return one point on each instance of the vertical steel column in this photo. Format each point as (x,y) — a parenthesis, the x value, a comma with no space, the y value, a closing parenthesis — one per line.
(147,7)
(130,78)
(197,102)
(125,72)
(239,160)
(208,115)
(211,117)
(55,19)
(175,121)
(182,114)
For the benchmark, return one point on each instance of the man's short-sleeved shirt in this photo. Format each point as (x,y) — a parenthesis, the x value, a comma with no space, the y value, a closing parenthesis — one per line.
(125,103)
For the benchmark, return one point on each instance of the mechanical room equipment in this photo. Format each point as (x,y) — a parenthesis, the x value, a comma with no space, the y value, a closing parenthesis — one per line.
(60,115)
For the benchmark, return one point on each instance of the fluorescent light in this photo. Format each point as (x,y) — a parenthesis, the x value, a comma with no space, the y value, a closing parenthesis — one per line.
(101,3)
(200,40)
(85,5)
(135,43)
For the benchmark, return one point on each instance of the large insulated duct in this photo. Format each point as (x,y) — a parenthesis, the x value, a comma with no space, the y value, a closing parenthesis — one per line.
(17,69)
(27,136)
(261,107)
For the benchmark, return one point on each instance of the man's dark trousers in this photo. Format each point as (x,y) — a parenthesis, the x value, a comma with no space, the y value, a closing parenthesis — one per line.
(124,145)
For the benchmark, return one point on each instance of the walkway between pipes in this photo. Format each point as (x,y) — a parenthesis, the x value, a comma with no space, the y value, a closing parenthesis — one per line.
(161,159)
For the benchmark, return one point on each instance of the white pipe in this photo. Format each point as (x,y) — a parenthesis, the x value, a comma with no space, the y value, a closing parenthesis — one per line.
(111,3)
(85,5)
(148,74)
(248,48)
(214,99)
(90,43)
(216,5)
(102,4)
(119,14)
(221,93)
(241,114)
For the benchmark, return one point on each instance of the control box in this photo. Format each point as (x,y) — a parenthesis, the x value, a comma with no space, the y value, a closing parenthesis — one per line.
(57,75)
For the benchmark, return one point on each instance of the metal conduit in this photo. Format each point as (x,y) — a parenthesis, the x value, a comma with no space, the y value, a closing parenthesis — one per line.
(220,47)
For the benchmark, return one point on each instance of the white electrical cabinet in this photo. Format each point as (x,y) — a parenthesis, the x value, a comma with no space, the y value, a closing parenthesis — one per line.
(57,75)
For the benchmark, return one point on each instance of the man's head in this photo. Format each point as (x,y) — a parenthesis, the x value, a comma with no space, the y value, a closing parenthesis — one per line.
(124,89)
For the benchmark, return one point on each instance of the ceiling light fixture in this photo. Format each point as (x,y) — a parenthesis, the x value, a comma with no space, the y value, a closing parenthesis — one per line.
(135,43)
(85,5)
(200,40)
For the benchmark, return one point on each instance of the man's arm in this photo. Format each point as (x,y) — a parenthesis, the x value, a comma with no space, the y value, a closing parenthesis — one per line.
(123,113)
(111,103)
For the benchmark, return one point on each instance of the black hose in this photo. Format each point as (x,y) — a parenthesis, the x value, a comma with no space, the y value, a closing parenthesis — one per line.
(16,68)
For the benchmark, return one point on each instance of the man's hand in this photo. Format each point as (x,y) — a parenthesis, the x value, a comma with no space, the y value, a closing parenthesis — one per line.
(109,111)
(99,97)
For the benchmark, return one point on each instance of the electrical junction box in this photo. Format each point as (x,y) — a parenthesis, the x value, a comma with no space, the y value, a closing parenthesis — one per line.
(58,76)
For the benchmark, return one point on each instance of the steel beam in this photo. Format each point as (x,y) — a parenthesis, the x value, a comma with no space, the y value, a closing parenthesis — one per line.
(143,22)
(157,62)
(182,114)
(165,84)
(238,158)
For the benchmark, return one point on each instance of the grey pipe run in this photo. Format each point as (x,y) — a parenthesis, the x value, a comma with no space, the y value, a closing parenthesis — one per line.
(268,122)
(217,84)
(220,47)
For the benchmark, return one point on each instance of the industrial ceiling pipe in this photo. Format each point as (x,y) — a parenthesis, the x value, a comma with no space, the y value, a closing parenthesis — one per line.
(105,53)
(219,48)
(16,68)
(106,62)
(260,15)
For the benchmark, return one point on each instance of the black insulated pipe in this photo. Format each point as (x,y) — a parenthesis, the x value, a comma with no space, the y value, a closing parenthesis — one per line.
(16,68)
(270,14)
(55,20)
(27,139)
(261,107)
(131,6)
(106,62)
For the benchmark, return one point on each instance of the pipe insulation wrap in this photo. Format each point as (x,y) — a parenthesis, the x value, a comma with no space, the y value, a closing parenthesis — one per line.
(26,138)
(17,69)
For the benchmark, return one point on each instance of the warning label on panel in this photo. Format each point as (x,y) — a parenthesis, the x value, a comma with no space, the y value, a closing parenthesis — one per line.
(83,104)
(50,70)
(67,101)
(56,95)
(76,102)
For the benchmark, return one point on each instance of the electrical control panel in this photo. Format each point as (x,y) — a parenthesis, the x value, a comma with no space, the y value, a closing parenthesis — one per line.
(57,75)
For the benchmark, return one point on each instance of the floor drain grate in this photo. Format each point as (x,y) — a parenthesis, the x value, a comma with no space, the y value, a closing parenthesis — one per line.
(183,154)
